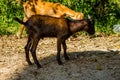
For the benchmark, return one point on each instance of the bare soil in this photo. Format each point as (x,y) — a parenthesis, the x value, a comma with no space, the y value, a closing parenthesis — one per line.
(90,59)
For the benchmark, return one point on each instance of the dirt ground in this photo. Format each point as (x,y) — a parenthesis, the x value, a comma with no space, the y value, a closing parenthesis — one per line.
(90,59)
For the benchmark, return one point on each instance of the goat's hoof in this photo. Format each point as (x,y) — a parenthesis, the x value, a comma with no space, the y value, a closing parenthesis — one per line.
(60,63)
(30,63)
(18,36)
(67,58)
(39,66)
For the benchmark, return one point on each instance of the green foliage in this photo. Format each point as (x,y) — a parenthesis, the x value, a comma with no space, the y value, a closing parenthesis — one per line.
(105,12)
(8,10)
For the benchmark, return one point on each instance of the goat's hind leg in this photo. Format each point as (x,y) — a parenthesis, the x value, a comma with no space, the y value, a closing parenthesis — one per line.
(33,51)
(27,48)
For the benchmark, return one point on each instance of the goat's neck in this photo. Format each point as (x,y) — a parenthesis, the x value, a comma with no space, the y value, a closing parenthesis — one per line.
(77,26)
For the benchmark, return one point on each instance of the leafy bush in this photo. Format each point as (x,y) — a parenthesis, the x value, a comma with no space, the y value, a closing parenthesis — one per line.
(105,12)
(8,10)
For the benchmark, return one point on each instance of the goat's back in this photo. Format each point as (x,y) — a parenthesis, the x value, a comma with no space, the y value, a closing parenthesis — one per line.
(47,25)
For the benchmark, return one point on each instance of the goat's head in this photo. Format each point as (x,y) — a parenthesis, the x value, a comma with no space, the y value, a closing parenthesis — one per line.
(90,26)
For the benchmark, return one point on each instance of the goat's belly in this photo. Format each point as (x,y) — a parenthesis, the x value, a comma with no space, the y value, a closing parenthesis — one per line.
(49,35)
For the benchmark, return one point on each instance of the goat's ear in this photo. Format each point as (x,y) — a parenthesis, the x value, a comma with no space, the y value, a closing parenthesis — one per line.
(89,17)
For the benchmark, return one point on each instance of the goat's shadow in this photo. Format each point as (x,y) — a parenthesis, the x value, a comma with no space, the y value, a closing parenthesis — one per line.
(50,67)
(92,53)
(83,54)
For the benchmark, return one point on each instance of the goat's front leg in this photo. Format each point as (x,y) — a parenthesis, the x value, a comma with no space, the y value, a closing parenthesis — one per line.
(33,51)
(27,48)
(65,48)
(58,51)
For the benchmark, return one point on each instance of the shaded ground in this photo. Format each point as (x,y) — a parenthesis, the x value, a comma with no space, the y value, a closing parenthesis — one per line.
(90,59)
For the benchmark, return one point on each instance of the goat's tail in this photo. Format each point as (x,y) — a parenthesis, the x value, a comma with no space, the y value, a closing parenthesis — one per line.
(20,21)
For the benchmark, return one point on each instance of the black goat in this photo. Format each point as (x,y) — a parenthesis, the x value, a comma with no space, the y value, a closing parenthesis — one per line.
(39,26)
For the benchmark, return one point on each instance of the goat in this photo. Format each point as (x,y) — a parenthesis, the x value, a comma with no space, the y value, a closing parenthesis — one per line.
(41,7)
(39,26)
